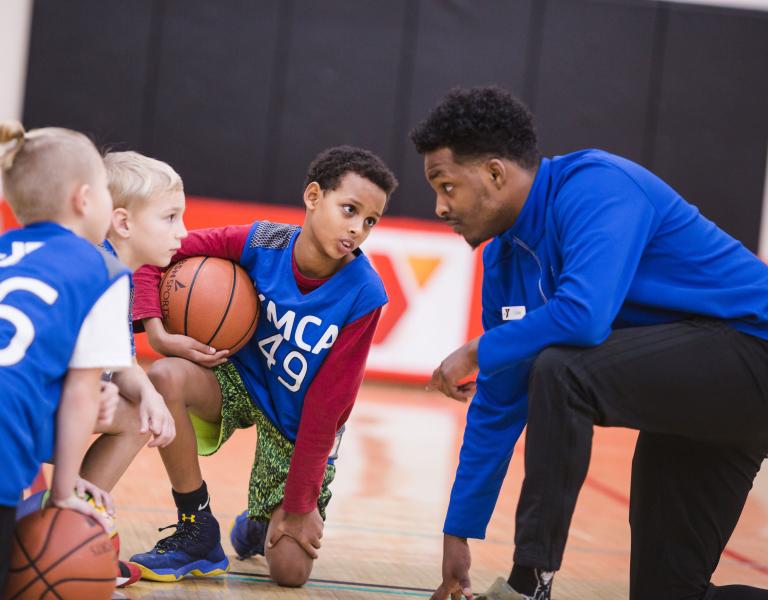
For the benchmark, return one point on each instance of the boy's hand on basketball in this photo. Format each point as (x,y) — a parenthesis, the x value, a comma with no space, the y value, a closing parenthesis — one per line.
(456,562)
(81,506)
(456,367)
(110,397)
(102,498)
(306,529)
(156,418)
(173,344)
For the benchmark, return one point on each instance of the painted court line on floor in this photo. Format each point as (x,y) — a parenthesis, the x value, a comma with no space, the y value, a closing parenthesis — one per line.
(354,586)
(622,499)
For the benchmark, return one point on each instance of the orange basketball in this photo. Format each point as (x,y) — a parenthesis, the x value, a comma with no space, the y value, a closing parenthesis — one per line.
(60,553)
(211,300)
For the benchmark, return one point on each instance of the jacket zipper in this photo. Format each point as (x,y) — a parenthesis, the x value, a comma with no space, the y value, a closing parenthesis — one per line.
(525,247)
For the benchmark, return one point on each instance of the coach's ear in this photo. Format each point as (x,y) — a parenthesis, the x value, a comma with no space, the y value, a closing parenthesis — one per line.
(120,223)
(497,171)
(312,195)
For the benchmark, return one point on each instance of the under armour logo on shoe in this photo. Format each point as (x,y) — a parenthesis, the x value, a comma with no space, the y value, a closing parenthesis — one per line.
(190,518)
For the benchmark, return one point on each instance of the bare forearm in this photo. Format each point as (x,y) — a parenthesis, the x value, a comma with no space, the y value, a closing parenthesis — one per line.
(75,423)
(133,383)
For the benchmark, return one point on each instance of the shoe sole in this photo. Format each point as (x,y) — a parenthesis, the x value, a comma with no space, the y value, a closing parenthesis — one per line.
(171,575)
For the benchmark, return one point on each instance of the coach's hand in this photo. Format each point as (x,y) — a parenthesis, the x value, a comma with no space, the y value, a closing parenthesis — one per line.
(156,418)
(108,400)
(456,367)
(306,529)
(456,562)
(172,344)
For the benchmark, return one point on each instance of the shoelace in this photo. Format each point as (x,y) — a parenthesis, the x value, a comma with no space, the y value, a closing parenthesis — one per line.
(185,531)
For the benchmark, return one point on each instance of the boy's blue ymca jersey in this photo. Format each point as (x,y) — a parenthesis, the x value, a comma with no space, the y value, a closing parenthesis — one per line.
(601,243)
(50,279)
(295,331)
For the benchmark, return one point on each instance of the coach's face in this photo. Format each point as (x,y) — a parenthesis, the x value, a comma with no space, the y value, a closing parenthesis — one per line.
(478,198)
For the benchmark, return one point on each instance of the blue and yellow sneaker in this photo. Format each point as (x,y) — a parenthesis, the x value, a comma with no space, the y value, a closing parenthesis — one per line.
(194,549)
(248,536)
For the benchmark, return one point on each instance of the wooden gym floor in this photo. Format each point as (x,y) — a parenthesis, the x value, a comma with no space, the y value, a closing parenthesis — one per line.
(383,534)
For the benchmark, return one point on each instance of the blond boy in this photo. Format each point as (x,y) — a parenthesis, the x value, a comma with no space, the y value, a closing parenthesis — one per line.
(146,228)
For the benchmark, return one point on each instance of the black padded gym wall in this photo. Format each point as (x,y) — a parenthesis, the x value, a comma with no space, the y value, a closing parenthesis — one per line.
(712,124)
(339,63)
(240,96)
(463,42)
(594,75)
(88,68)
(213,80)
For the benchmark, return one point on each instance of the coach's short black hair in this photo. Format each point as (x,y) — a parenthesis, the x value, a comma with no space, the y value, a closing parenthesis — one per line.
(480,121)
(332,164)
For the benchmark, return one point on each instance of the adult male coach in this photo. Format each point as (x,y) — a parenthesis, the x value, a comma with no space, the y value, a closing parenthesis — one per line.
(607,300)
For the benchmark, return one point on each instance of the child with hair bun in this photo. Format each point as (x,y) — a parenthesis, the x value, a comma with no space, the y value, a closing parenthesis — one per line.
(62,314)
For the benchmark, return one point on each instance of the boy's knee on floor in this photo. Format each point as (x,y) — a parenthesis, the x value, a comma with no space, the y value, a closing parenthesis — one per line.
(289,564)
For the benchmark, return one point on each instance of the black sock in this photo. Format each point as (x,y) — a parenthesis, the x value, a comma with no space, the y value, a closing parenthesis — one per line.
(192,502)
(523,580)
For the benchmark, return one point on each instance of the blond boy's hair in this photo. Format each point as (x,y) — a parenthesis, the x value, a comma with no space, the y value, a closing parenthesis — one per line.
(40,168)
(134,178)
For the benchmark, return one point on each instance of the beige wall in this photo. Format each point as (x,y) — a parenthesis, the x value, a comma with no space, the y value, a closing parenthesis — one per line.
(14,37)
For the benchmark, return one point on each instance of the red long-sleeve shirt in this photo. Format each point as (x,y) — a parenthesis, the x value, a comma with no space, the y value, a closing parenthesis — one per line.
(330,395)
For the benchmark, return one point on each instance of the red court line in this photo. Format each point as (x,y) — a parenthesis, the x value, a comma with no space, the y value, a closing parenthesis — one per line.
(624,500)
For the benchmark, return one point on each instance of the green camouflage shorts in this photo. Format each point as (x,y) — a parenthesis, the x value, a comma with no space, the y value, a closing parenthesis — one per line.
(273,451)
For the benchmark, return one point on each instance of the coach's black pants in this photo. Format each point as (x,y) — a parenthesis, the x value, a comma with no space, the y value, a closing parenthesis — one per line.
(698,392)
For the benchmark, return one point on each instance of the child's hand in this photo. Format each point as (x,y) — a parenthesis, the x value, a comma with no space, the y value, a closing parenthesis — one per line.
(156,417)
(81,505)
(110,397)
(191,349)
(305,529)
(101,498)
(172,344)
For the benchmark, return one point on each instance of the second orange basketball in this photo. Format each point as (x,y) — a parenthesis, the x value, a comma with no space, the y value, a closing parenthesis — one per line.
(212,300)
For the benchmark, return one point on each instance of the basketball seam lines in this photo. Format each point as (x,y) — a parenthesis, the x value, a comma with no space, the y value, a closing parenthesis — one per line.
(32,561)
(229,304)
(55,564)
(189,294)
(47,539)
(247,331)
(34,566)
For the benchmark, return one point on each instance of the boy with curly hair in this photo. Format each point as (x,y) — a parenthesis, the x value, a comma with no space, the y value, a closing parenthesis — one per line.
(296,379)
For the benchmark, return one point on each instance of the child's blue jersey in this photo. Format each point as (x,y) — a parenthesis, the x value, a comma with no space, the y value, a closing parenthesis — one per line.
(49,280)
(295,331)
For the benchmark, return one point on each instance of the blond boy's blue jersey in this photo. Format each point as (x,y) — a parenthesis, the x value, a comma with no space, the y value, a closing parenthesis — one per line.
(296,331)
(49,280)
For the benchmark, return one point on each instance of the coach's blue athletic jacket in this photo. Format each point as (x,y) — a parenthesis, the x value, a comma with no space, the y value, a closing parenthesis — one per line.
(601,243)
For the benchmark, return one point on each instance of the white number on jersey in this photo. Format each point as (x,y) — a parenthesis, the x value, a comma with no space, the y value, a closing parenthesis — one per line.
(25,330)
(269,346)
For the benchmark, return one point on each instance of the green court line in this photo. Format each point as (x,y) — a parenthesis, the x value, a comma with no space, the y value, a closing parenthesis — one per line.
(345,588)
